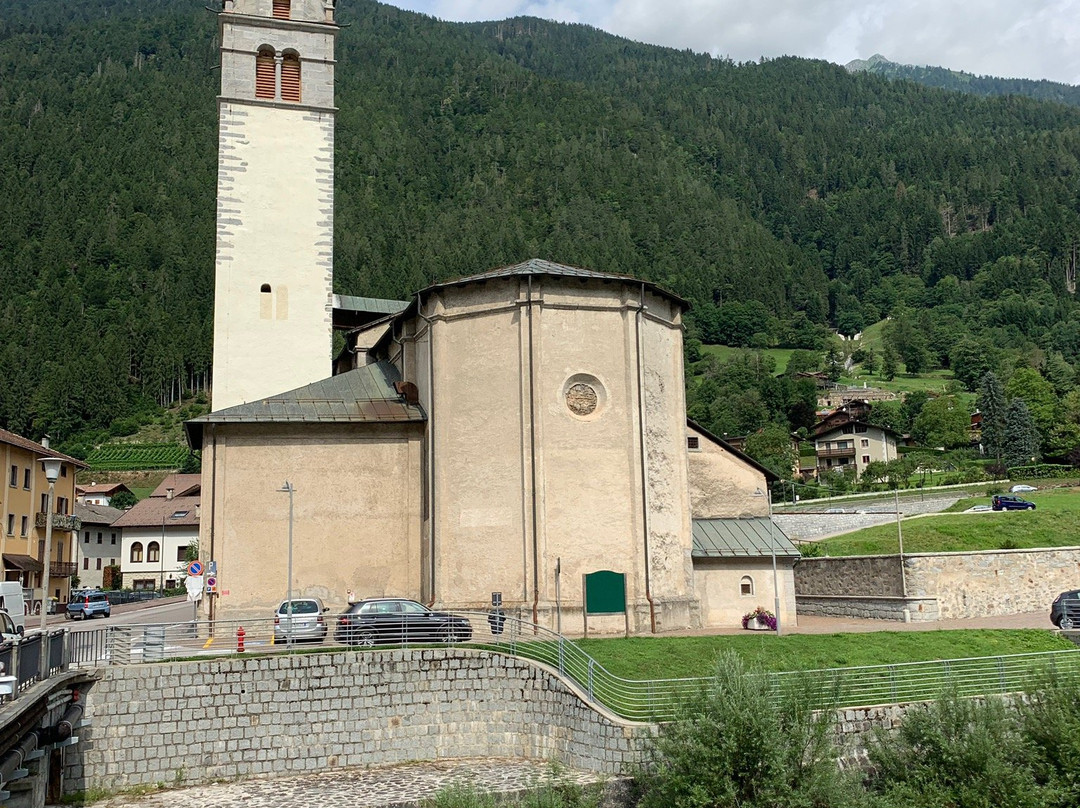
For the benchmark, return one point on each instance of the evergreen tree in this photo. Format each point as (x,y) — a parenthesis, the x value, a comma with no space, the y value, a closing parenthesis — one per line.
(991,403)
(1021,435)
(888,362)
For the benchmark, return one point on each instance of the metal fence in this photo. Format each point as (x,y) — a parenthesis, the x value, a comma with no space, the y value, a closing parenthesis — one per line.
(633,699)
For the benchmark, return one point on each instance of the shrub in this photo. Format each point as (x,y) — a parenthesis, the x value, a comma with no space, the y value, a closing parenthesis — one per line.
(954,752)
(1050,717)
(737,745)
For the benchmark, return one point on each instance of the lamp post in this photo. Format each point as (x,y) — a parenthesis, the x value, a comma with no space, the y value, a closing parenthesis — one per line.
(772,552)
(51,465)
(161,558)
(289,489)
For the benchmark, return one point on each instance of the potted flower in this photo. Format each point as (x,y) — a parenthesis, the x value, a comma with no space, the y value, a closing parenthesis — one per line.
(759,620)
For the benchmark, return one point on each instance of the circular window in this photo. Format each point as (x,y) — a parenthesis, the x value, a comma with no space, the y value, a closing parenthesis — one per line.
(581,399)
(584,395)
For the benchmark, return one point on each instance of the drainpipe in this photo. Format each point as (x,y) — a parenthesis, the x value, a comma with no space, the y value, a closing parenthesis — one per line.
(644,460)
(213,511)
(431,443)
(532,461)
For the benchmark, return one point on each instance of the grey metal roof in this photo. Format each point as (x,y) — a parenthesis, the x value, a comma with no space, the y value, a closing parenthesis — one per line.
(362,395)
(754,537)
(538,266)
(369,305)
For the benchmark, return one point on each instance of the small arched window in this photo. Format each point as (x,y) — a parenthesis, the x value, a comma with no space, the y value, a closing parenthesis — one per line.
(265,288)
(136,553)
(290,76)
(746,586)
(153,552)
(281,9)
(264,73)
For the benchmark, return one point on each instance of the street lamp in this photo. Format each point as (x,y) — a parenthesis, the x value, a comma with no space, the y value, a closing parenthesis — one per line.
(51,465)
(772,551)
(289,489)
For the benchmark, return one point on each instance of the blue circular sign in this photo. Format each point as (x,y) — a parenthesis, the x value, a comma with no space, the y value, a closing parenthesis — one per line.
(194,568)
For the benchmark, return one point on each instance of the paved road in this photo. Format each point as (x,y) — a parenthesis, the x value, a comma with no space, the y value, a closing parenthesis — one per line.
(363,788)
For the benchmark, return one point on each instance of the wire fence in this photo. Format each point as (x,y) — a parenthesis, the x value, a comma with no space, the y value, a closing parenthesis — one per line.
(633,699)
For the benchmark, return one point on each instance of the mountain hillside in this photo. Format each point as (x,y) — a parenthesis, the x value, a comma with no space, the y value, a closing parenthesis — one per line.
(783,198)
(960,81)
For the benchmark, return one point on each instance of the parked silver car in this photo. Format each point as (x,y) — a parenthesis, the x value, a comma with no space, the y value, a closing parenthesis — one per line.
(305,623)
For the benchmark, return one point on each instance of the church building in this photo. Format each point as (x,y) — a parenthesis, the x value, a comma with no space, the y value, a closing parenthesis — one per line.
(508,432)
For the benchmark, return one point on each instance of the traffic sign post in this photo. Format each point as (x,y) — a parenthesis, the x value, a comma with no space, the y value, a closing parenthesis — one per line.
(195,569)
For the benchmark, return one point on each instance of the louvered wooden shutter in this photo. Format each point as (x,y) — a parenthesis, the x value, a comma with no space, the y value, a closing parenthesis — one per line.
(264,75)
(290,78)
(281,9)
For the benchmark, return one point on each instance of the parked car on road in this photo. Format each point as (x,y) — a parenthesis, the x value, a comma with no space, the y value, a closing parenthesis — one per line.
(88,603)
(398,620)
(8,631)
(1023,489)
(1058,614)
(305,623)
(1005,502)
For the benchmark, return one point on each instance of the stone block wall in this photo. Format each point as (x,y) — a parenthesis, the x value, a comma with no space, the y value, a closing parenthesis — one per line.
(200,721)
(907,610)
(877,576)
(955,585)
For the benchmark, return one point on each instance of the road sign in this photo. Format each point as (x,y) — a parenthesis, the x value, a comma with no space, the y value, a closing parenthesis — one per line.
(211,585)
(211,567)
(193,584)
(194,569)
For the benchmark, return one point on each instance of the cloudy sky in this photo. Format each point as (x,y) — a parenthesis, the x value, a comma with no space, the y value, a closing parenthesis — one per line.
(1037,39)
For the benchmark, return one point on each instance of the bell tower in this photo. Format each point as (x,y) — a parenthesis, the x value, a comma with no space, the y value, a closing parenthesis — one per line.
(275,202)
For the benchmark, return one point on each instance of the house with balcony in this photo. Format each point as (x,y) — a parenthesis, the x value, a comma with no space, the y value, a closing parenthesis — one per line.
(24,505)
(156,533)
(844,441)
(97,545)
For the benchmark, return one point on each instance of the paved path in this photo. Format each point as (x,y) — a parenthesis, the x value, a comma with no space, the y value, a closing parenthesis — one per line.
(390,787)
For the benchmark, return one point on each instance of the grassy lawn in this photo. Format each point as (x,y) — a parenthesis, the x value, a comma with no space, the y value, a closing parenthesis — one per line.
(1053,524)
(682,657)
(724,353)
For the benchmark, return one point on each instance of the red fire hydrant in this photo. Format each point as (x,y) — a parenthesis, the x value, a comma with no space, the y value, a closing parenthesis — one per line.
(240,634)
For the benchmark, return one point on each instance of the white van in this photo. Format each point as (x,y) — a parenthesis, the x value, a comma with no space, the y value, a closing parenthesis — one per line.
(13,602)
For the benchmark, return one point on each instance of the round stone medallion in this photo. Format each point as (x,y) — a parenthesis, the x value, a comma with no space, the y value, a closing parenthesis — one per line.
(581,398)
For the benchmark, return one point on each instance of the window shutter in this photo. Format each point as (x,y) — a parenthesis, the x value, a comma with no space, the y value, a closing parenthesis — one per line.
(281,9)
(264,75)
(290,78)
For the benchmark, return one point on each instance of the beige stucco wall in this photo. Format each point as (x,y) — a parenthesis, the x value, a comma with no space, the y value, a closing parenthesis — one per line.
(356,521)
(500,426)
(723,605)
(722,485)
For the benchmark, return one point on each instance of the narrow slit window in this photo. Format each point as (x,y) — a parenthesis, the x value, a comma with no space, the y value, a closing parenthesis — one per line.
(290,77)
(281,9)
(264,73)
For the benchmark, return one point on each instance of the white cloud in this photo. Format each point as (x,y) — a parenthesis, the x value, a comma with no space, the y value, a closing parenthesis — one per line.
(1010,38)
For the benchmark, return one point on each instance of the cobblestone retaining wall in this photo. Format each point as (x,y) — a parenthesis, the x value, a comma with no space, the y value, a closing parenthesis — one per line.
(860,576)
(913,610)
(981,584)
(196,722)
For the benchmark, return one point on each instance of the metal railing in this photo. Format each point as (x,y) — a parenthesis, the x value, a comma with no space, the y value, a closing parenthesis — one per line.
(632,699)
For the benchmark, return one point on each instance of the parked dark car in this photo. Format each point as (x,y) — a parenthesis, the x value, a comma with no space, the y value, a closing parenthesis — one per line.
(1007,502)
(87,603)
(397,620)
(1057,610)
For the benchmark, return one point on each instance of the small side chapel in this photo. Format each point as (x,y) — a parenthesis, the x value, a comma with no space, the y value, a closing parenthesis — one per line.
(506,432)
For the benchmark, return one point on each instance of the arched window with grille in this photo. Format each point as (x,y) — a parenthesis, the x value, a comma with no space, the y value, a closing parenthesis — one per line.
(265,79)
(746,586)
(281,9)
(290,76)
(153,552)
(136,553)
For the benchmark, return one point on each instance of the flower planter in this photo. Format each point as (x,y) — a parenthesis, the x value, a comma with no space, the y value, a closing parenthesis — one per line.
(757,624)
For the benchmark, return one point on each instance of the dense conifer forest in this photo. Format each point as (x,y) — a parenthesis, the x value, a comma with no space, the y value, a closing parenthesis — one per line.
(783,198)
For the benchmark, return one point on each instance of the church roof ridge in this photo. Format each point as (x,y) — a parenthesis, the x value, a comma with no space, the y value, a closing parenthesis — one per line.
(541,266)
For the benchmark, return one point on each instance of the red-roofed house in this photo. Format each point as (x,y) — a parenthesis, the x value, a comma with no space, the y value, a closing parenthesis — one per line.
(157,533)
